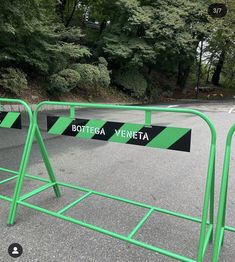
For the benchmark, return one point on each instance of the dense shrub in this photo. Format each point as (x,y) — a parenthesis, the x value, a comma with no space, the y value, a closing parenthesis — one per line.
(132,81)
(13,80)
(64,81)
(103,61)
(104,80)
(92,77)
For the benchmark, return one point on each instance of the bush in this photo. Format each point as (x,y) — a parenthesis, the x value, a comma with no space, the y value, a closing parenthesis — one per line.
(104,80)
(64,81)
(132,81)
(92,77)
(13,80)
(103,61)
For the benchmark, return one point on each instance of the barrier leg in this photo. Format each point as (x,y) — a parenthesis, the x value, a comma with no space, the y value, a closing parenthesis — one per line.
(46,160)
(219,236)
(212,200)
(20,179)
(204,239)
(33,133)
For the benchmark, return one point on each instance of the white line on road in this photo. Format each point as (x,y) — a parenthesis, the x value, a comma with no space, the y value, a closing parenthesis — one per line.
(173,106)
(231,110)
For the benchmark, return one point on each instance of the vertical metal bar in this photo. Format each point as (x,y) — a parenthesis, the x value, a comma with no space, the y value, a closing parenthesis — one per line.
(46,160)
(148,118)
(219,235)
(72,111)
(206,203)
(212,200)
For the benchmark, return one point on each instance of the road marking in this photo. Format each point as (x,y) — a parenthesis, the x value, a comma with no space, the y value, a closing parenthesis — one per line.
(231,110)
(173,106)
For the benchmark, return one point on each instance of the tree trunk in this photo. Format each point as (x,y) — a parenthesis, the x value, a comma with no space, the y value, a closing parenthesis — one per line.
(183,73)
(71,14)
(218,69)
(103,25)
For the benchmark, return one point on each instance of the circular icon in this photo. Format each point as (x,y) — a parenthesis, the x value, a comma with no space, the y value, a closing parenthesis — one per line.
(15,250)
(217,10)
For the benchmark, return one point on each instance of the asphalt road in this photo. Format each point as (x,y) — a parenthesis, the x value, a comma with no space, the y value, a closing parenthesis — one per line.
(163,178)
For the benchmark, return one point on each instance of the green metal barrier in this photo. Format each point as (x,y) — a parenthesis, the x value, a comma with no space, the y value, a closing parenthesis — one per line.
(13,120)
(206,230)
(221,228)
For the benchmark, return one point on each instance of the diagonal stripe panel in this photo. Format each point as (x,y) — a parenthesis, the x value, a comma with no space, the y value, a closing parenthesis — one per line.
(10,120)
(59,126)
(168,137)
(126,133)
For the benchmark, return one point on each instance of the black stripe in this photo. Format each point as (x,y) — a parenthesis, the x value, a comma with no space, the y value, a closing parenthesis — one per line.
(109,128)
(17,123)
(183,144)
(78,122)
(51,121)
(152,133)
(2,116)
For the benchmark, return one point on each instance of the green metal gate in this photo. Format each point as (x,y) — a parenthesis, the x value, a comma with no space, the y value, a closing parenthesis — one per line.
(221,227)
(160,139)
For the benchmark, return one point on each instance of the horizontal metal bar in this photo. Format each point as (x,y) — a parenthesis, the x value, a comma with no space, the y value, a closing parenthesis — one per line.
(5,198)
(36,191)
(208,235)
(198,220)
(141,223)
(19,101)
(8,171)
(231,229)
(137,108)
(74,203)
(27,175)
(110,233)
(38,178)
(8,179)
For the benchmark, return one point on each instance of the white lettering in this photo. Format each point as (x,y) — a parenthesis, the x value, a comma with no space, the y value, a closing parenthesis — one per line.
(132,135)
(88,129)
(102,132)
(117,132)
(146,137)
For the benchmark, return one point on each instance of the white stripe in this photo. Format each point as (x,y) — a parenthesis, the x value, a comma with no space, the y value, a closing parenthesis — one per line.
(231,110)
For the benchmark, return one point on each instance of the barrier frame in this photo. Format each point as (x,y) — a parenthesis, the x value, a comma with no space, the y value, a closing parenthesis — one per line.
(205,237)
(21,173)
(221,216)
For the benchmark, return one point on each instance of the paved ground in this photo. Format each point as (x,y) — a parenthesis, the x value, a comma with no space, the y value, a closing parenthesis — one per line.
(164,178)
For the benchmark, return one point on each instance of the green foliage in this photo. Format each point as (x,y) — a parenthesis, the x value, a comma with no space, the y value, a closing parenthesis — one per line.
(65,81)
(103,61)
(150,32)
(104,79)
(44,37)
(13,80)
(33,40)
(92,77)
(132,81)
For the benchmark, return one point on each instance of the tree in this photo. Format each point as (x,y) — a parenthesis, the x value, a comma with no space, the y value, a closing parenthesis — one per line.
(162,34)
(32,39)
(221,41)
